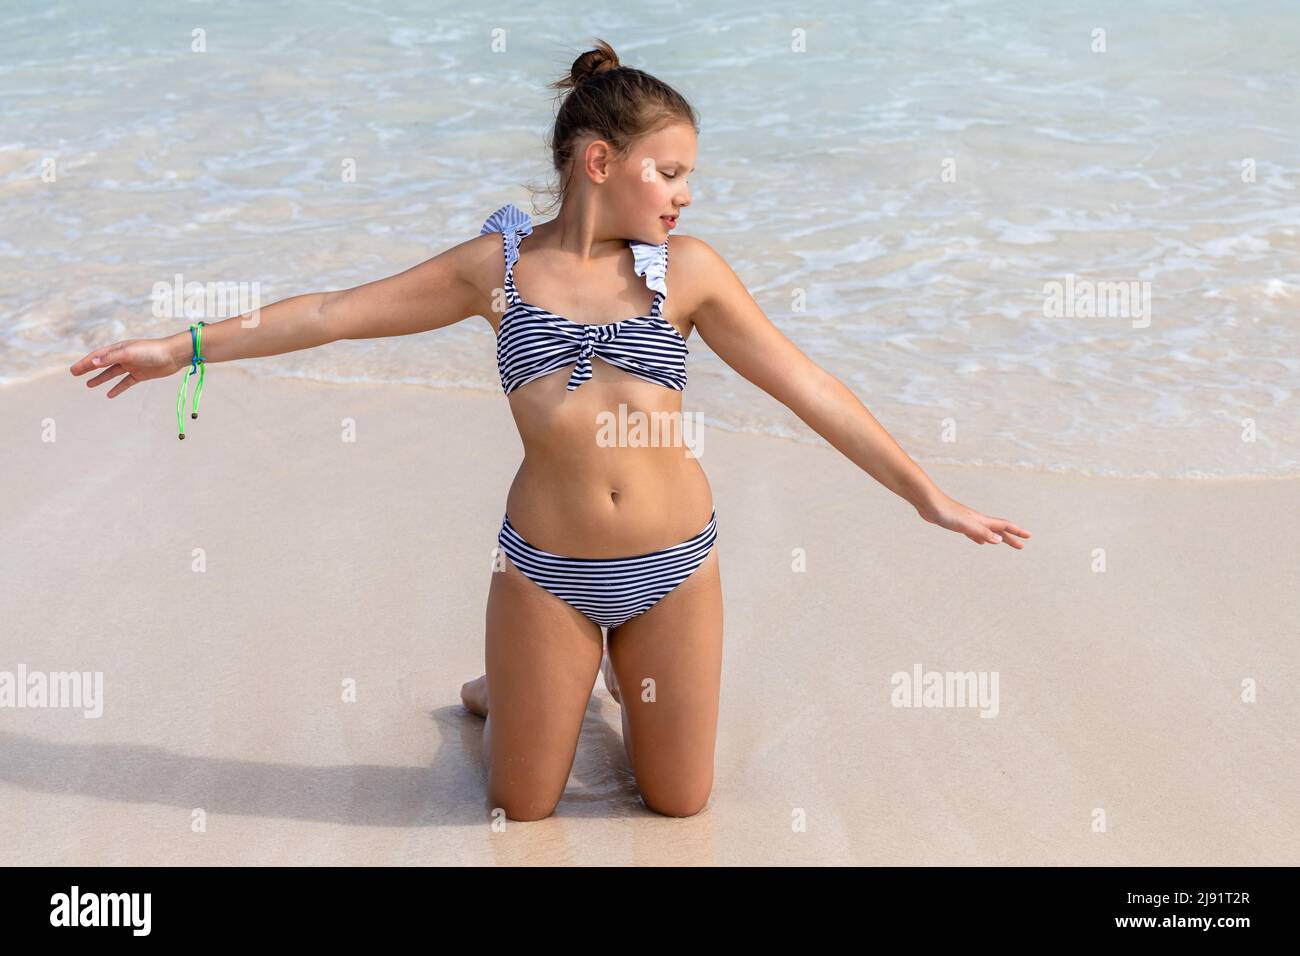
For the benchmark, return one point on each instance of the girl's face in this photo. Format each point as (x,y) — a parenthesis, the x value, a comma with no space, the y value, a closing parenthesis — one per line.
(650,187)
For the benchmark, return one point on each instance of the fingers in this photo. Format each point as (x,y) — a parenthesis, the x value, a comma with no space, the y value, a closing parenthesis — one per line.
(1007,529)
(100,358)
(981,535)
(110,355)
(111,372)
(997,531)
(985,530)
(982,532)
(123,385)
(1006,526)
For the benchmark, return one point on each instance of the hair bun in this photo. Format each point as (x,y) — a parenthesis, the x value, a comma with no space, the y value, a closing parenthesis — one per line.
(599,97)
(595,61)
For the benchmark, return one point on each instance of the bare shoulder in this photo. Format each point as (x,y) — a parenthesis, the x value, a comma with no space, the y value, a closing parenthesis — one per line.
(694,268)
(692,255)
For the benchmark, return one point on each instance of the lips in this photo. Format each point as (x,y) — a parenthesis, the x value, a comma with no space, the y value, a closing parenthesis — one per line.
(671,220)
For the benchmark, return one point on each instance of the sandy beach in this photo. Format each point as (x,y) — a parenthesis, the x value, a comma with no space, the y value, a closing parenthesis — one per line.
(283,619)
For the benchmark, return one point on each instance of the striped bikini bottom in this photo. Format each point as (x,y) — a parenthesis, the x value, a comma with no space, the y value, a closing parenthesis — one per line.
(609,591)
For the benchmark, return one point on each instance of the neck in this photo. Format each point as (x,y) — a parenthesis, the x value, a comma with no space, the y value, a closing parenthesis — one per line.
(576,233)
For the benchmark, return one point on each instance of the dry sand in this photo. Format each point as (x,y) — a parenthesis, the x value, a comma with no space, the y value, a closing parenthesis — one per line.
(1120,694)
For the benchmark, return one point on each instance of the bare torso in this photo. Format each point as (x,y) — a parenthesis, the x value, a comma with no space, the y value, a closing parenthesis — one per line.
(572,495)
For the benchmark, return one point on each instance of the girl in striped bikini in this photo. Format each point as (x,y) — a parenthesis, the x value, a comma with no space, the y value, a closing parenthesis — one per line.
(599,544)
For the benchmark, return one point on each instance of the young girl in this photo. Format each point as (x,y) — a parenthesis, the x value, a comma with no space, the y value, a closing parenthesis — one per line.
(594,535)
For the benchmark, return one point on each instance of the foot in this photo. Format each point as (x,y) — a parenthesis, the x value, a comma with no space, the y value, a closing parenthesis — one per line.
(473,694)
(611,680)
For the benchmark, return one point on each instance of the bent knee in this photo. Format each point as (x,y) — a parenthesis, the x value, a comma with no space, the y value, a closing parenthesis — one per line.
(677,802)
(523,808)
(524,812)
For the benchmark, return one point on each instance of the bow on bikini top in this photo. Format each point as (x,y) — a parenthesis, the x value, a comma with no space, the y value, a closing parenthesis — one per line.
(532,342)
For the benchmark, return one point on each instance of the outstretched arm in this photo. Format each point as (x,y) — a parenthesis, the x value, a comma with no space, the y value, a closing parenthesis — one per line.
(435,293)
(733,325)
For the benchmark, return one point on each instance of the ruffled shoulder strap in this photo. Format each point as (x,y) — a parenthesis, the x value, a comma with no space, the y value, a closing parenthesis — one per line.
(513,224)
(652,262)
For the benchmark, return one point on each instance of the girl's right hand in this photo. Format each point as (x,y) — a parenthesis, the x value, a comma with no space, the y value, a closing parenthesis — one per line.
(139,359)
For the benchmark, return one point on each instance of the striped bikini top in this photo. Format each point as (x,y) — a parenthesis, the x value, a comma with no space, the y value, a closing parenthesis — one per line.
(532,342)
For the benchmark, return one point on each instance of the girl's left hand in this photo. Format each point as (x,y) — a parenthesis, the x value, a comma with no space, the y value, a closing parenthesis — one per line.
(955,516)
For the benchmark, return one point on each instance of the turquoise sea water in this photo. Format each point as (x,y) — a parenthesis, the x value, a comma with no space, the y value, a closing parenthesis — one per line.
(923,174)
